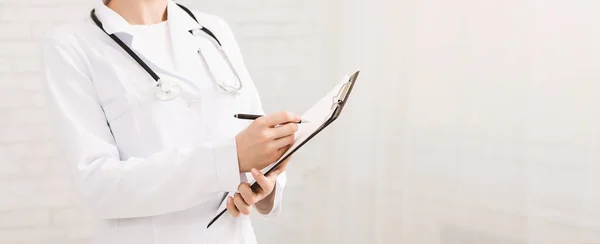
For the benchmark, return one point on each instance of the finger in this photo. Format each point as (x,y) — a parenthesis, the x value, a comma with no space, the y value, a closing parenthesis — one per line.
(284,130)
(280,168)
(247,194)
(231,208)
(278,118)
(265,184)
(282,150)
(275,173)
(283,142)
(241,204)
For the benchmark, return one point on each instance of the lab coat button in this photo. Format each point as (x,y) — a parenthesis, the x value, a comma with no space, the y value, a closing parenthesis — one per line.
(192,104)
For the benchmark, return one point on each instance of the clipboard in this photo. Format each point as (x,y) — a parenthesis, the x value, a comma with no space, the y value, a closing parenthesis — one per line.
(337,105)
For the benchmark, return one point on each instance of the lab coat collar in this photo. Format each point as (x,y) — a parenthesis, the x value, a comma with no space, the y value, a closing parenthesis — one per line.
(178,18)
(114,23)
(182,41)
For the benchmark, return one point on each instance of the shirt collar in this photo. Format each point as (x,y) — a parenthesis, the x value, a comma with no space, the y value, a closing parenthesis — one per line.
(112,22)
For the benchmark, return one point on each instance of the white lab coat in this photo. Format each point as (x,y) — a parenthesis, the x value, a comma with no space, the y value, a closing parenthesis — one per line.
(151,171)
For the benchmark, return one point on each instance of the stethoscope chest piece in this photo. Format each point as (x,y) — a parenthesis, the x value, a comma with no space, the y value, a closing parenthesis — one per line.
(167,90)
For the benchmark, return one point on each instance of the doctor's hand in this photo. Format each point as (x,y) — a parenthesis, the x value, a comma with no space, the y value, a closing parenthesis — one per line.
(265,140)
(261,195)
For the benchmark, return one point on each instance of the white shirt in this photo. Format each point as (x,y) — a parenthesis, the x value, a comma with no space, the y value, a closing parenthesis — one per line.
(150,171)
(155,43)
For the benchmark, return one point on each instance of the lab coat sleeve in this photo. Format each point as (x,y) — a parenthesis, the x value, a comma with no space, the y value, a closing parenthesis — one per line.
(232,45)
(164,182)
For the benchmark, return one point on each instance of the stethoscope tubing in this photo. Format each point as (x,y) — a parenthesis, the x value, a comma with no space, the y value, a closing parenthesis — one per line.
(126,48)
(153,74)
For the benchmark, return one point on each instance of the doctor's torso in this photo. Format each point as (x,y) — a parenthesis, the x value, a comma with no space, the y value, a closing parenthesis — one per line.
(141,124)
(201,113)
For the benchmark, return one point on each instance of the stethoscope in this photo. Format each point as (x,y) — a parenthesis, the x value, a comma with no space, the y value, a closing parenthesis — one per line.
(167,90)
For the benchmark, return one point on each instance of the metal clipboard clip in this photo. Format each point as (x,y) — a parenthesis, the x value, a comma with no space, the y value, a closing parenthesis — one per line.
(342,94)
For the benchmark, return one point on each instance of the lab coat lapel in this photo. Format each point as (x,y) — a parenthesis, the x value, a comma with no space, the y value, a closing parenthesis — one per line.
(185,45)
(185,53)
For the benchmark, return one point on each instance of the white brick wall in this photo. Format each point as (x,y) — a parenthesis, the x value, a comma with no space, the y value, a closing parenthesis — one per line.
(285,44)
(34,189)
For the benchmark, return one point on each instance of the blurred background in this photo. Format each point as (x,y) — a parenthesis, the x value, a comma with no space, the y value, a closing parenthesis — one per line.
(473,121)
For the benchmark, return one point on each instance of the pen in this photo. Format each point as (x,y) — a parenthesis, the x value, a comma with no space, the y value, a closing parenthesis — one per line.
(255,116)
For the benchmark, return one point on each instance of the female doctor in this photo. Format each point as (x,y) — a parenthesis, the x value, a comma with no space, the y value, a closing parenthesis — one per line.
(144,93)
